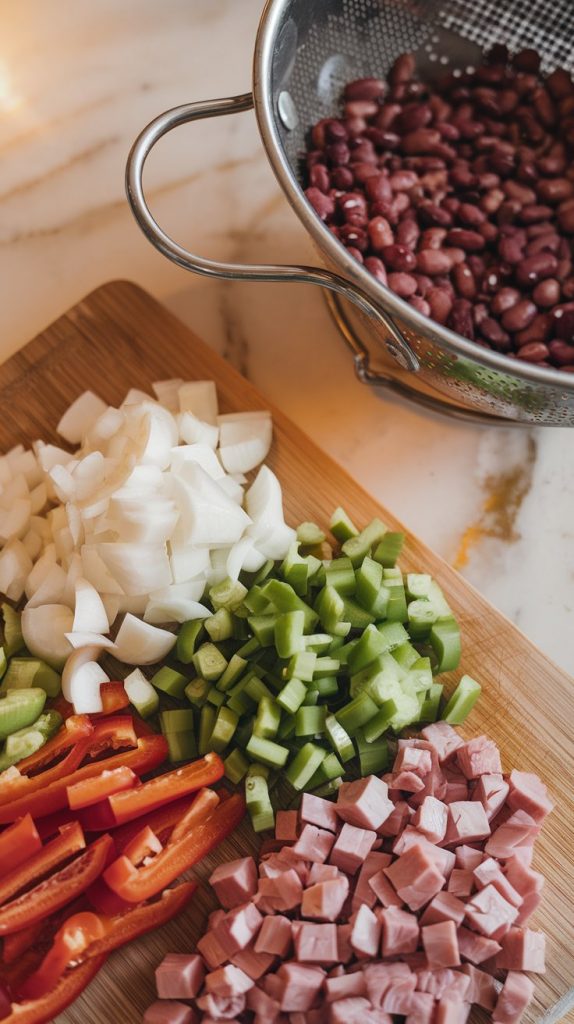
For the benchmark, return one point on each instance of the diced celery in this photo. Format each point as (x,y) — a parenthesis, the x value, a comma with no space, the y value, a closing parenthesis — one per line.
(354,714)
(20,709)
(421,675)
(223,729)
(238,700)
(445,642)
(356,615)
(25,672)
(178,727)
(356,548)
(389,549)
(328,790)
(13,640)
(327,686)
(256,602)
(287,728)
(256,689)
(215,697)
(187,639)
(326,667)
(267,752)
(341,526)
(376,726)
(178,720)
(418,585)
(309,534)
(207,717)
(302,665)
(330,607)
(320,643)
(383,667)
(430,703)
(382,689)
(288,635)
(235,766)
(368,647)
(344,650)
(369,591)
(235,668)
(257,770)
(169,681)
(284,598)
(339,739)
(263,572)
(209,662)
(227,594)
(340,575)
(258,803)
(244,731)
(305,764)
(19,745)
(263,626)
(462,701)
(220,625)
(141,693)
(309,721)
(330,768)
(267,719)
(408,711)
(250,648)
(397,606)
(311,697)
(373,756)
(438,600)
(292,695)
(196,691)
(295,570)
(405,655)
(421,616)
(394,634)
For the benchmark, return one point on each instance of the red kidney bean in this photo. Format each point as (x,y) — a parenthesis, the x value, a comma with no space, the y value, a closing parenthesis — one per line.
(400,181)
(534,213)
(560,352)
(448,131)
(552,164)
(504,299)
(361,108)
(479,313)
(492,201)
(560,84)
(527,173)
(564,270)
(562,318)
(355,126)
(323,205)
(432,238)
(535,352)
(338,153)
(567,288)
(488,231)
(455,255)
(523,194)
(461,176)
(460,318)
(424,284)
(354,236)
(470,241)
(398,257)
(535,268)
(320,178)
(365,89)
(547,242)
(342,177)
(377,268)
(555,190)
(470,130)
(539,330)
(433,215)
(420,305)
(352,202)
(440,303)
(387,115)
(363,152)
(408,233)
(402,70)
(495,334)
(380,234)
(433,261)
(412,117)
(464,281)
(378,187)
(470,216)
(424,140)
(476,263)
(361,172)
(355,253)
(404,285)
(547,293)
(451,204)
(544,107)
(519,316)
(507,101)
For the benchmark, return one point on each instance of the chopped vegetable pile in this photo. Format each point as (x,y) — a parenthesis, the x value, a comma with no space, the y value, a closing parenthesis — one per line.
(410,895)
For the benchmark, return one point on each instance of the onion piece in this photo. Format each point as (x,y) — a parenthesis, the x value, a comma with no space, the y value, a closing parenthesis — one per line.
(243,555)
(89,613)
(264,504)
(194,431)
(26,464)
(80,416)
(232,489)
(49,455)
(187,562)
(52,588)
(15,567)
(139,643)
(34,544)
(200,453)
(176,609)
(87,638)
(106,426)
(38,498)
(15,520)
(44,630)
(208,516)
(97,572)
(134,396)
(81,680)
(40,570)
(138,568)
(167,392)
(200,398)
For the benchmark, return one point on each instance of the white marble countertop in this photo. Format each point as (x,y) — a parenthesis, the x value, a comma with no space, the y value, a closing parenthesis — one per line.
(78,80)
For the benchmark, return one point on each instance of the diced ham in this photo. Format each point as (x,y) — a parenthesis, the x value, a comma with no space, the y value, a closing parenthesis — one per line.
(415,877)
(322,873)
(316,943)
(397,820)
(412,759)
(365,937)
(351,848)
(235,882)
(489,871)
(451,1011)
(355,1010)
(211,950)
(398,997)
(300,984)
(262,1005)
(221,1007)
(381,977)
(528,793)
(253,964)
(345,985)
(431,819)
(408,782)
(467,857)
(518,829)
(467,822)
(314,844)
(228,981)
(461,882)
(480,756)
(384,891)
(374,862)
(400,931)
(529,904)
(443,859)
(443,982)
(324,901)
(179,976)
(521,876)
(440,944)
(316,811)
(421,1008)
(274,936)
(476,948)
(345,950)
(287,826)
(492,791)
(522,950)
(516,994)
(490,913)
(444,907)
(443,738)
(364,803)
(274,864)
(238,928)
(282,893)
(483,989)
(168,1011)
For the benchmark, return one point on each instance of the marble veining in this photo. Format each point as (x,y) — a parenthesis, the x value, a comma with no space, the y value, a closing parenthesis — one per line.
(78,80)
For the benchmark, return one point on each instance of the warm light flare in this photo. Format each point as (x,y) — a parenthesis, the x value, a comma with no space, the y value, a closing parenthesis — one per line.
(10,101)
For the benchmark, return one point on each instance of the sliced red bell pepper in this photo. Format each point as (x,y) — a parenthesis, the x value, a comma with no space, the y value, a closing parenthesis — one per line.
(113,733)
(18,843)
(123,807)
(57,890)
(51,824)
(70,841)
(14,945)
(147,755)
(66,989)
(77,727)
(73,938)
(62,706)
(161,821)
(145,844)
(99,787)
(39,935)
(114,698)
(138,884)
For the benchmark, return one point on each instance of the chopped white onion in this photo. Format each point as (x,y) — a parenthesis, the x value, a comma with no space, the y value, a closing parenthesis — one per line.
(90,614)
(82,678)
(138,568)
(200,398)
(194,431)
(33,543)
(38,498)
(81,415)
(187,562)
(87,638)
(14,521)
(176,609)
(200,453)
(97,572)
(208,516)
(52,588)
(139,643)
(167,392)
(44,630)
(15,567)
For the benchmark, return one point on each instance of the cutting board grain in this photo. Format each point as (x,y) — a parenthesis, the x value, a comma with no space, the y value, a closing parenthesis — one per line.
(119,337)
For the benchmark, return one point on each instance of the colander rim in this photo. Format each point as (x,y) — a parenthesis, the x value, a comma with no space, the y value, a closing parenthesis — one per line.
(347,266)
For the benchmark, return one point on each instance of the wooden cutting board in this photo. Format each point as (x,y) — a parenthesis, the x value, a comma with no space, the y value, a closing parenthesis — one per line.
(119,337)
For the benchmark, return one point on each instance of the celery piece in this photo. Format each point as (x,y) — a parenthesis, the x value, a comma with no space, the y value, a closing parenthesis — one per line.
(19,745)
(341,526)
(309,721)
(421,616)
(438,601)
(305,764)
(292,695)
(250,649)
(311,697)
(207,717)
(215,697)
(319,643)
(462,701)
(376,726)
(287,728)
(370,644)
(340,575)
(344,650)
(267,719)
(329,789)
(420,675)
(181,746)
(178,720)
(394,634)
(243,731)
(330,607)
(178,727)
(356,548)
(339,739)
(187,638)
(356,615)
(238,700)
(309,534)
(256,689)
(295,570)
(445,642)
(358,711)
(25,672)
(405,655)
(48,723)
(196,691)
(141,693)
(330,768)
(223,729)
(326,667)
(235,668)
(408,711)
(263,627)
(262,573)
(209,662)
(327,686)
(289,628)
(430,703)
(382,667)
(381,689)
(256,602)
(397,606)
(302,666)
(227,594)
(284,598)
(235,766)
(169,681)
(13,640)
(220,625)
(3,662)
(373,756)
(20,708)
(389,549)
(368,592)
(256,771)
(258,803)
(267,752)
(418,585)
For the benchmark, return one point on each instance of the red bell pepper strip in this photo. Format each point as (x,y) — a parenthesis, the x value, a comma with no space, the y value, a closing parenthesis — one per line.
(14,945)
(99,787)
(70,841)
(145,844)
(138,884)
(73,938)
(113,733)
(66,990)
(162,821)
(114,698)
(147,755)
(123,807)
(77,727)
(18,843)
(57,890)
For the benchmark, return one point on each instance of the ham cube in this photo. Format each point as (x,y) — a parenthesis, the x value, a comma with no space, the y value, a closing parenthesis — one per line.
(345,985)
(480,756)
(287,826)
(443,983)
(443,859)
(384,891)
(421,1008)
(528,793)
(516,994)
(521,876)
(262,1005)
(345,950)
(398,997)
(519,829)
(316,811)
(451,1011)
(282,893)
(444,907)
(431,819)
(364,803)
(238,928)
(374,863)
(529,904)
(274,864)
(228,981)
(397,820)
(314,844)
(325,900)
(322,873)
(413,759)
(415,877)
(456,790)
(489,871)
(355,1010)
(476,948)
(443,738)
(351,848)
(316,943)
(490,914)
(169,1011)
(492,791)
(440,944)
(407,782)
(400,931)
(365,937)
(253,964)
(467,857)
(179,976)
(380,978)
(235,882)
(522,950)
(467,822)
(218,1008)
(274,936)
(483,988)
(461,882)
(299,985)
(211,950)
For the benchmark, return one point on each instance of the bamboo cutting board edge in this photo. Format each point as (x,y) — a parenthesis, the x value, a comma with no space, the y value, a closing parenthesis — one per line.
(117,337)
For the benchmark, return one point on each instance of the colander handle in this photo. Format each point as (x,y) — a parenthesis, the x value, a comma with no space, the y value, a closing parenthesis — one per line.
(396,344)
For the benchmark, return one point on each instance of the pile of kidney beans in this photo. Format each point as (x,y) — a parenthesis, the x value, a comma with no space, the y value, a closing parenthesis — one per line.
(459,195)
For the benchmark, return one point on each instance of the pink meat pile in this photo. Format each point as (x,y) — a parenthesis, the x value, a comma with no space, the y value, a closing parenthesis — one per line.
(409,896)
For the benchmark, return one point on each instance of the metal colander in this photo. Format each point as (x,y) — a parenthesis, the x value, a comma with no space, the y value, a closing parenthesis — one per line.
(305,52)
